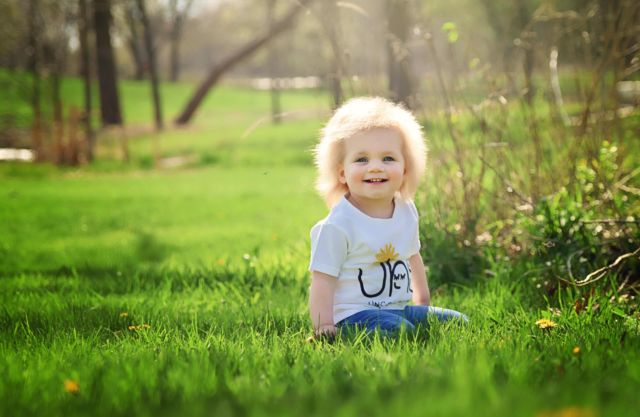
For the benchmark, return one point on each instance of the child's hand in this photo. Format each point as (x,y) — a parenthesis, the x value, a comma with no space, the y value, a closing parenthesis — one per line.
(326,329)
(324,333)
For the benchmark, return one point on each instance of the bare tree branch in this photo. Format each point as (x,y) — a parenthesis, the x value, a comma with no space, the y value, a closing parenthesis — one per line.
(247,50)
(599,273)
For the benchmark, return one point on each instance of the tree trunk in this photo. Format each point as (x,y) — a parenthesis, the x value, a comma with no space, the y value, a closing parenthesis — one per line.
(529,56)
(331,24)
(175,36)
(276,108)
(174,56)
(398,24)
(86,76)
(54,57)
(133,43)
(54,63)
(34,67)
(153,71)
(107,76)
(247,50)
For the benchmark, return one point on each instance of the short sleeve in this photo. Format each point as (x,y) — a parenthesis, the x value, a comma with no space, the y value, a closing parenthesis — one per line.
(415,239)
(328,249)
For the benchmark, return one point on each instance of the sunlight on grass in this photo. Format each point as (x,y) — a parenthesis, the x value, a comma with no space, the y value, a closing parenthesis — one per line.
(192,216)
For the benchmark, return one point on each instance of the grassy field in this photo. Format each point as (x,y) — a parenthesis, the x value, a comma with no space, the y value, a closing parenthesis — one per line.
(128,290)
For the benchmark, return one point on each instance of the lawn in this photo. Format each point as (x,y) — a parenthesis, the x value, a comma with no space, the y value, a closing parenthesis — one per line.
(132,290)
(196,216)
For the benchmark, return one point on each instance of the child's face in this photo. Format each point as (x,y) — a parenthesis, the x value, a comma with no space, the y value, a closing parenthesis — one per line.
(373,167)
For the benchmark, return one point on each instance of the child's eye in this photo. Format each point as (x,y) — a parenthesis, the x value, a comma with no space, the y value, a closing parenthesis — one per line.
(362,159)
(388,159)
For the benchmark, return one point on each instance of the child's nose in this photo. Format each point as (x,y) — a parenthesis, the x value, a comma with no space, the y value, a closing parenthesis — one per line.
(375,166)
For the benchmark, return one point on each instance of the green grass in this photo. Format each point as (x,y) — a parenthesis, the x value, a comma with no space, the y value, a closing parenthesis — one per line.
(231,340)
(212,257)
(84,220)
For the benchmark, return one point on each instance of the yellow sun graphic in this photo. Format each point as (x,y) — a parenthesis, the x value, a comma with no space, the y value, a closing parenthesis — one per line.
(388,253)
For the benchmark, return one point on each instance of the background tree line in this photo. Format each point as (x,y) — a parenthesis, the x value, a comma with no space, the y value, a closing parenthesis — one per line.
(422,53)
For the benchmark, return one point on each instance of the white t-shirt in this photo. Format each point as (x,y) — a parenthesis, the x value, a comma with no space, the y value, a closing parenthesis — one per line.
(369,256)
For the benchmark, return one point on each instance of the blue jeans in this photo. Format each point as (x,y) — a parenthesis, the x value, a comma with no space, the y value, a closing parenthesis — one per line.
(390,322)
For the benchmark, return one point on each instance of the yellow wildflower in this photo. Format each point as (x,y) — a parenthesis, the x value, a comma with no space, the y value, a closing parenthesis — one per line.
(71,386)
(124,314)
(546,324)
(139,327)
(576,350)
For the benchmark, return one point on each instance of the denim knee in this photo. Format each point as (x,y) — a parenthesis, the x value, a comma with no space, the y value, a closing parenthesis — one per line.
(387,322)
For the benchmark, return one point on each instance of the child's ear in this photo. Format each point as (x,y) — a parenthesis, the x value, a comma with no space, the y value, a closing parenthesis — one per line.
(341,177)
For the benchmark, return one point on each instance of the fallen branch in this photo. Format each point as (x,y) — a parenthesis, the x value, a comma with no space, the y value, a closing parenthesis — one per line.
(624,284)
(628,189)
(598,274)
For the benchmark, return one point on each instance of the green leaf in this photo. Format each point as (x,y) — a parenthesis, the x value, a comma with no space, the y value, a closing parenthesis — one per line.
(451,30)
(448,26)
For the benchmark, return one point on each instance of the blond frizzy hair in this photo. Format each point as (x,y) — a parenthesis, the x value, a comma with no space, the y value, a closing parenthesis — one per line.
(362,114)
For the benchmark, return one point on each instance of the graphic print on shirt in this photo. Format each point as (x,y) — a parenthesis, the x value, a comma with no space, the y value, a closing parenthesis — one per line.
(392,274)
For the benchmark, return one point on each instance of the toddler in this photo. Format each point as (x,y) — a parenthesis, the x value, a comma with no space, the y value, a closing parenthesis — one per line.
(365,261)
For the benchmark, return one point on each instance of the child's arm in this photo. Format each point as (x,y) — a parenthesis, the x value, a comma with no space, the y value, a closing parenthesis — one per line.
(421,295)
(323,288)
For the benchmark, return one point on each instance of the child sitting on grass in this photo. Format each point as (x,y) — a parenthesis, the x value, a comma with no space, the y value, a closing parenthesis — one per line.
(365,261)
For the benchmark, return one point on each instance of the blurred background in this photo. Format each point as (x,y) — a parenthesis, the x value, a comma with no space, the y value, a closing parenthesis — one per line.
(157,192)
(530,108)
